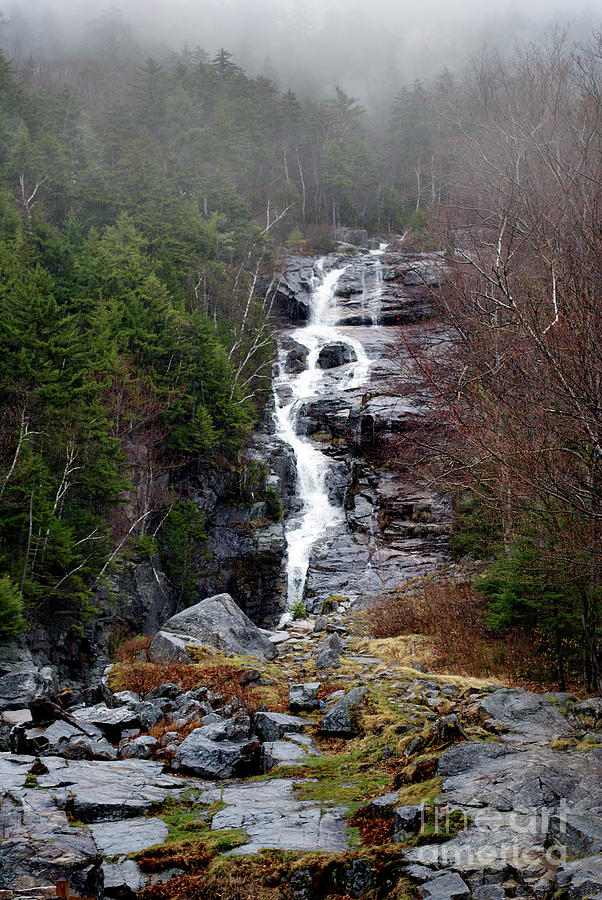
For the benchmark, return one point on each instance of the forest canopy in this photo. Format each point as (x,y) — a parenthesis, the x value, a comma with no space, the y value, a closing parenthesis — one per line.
(143,209)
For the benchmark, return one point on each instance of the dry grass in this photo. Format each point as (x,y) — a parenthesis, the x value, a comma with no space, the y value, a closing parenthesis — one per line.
(225,676)
(394,650)
(441,625)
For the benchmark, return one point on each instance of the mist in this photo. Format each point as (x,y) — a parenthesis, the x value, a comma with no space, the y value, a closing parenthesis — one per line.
(369,49)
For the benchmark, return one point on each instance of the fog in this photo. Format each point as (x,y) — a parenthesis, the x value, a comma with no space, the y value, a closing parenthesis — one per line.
(369,47)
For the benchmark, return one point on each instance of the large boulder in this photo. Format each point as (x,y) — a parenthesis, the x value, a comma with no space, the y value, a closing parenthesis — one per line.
(170,649)
(304,697)
(142,747)
(407,821)
(271,726)
(296,357)
(382,807)
(23,684)
(446,887)
(328,653)
(336,354)
(216,751)
(215,622)
(342,719)
(468,757)
(531,716)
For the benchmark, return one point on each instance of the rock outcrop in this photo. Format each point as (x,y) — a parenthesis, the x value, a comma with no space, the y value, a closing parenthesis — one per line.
(356,237)
(215,622)
(336,354)
(222,750)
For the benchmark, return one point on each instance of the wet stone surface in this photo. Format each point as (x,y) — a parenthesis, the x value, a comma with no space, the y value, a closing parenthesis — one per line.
(273,817)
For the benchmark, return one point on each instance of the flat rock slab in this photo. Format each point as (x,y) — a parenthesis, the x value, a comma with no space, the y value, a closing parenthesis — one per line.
(281,753)
(532,718)
(103,791)
(274,819)
(292,752)
(128,836)
(39,845)
(14,770)
(531,779)
(517,800)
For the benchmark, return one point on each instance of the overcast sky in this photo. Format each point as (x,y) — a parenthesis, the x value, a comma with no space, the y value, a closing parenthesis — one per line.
(366,46)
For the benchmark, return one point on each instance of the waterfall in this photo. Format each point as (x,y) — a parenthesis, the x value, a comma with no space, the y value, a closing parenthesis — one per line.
(372,287)
(318,513)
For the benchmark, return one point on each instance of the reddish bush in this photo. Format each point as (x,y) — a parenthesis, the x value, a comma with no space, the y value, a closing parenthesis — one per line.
(453,615)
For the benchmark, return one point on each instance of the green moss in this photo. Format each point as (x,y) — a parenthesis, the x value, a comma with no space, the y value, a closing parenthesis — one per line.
(420,793)
(349,777)
(190,843)
(439,826)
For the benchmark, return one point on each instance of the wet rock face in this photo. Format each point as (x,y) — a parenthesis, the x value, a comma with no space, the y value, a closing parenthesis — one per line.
(146,597)
(296,356)
(394,530)
(293,288)
(245,547)
(336,354)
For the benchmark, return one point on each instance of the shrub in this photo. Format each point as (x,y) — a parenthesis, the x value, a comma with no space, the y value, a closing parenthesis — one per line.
(455,618)
(12,621)
(476,529)
(298,610)
(320,240)
(180,541)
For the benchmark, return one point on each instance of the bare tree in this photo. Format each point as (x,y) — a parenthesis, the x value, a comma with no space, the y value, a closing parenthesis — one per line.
(519,387)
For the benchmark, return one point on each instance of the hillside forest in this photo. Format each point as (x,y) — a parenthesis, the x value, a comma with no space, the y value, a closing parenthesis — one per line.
(145,207)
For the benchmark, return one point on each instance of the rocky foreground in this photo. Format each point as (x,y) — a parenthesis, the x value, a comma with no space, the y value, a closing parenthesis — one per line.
(321,771)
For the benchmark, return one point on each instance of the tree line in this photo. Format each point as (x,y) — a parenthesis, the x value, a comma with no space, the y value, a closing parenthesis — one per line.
(140,209)
(142,206)
(516,378)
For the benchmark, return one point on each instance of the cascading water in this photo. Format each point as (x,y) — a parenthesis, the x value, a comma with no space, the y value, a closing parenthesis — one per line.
(317,514)
(372,286)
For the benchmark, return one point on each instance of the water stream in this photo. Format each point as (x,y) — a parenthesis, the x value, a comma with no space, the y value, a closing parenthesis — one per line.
(318,514)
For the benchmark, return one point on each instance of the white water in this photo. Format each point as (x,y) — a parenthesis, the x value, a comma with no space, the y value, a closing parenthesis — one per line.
(318,514)
(372,286)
